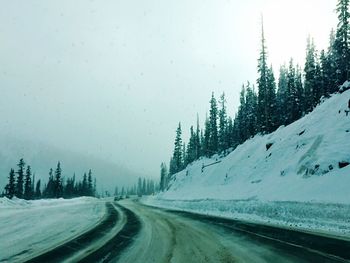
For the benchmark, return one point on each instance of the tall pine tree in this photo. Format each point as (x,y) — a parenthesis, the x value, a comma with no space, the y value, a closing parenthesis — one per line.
(10,188)
(20,179)
(222,136)
(206,138)
(282,96)
(28,184)
(198,140)
(176,164)
(310,85)
(191,154)
(213,117)
(38,190)
(251,102)
(242,117)
(90,186)
(163,177)
(266,93)
(341,43)
(58,188)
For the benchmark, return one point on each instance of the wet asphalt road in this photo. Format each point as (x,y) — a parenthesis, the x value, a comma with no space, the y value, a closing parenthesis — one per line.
(132,232)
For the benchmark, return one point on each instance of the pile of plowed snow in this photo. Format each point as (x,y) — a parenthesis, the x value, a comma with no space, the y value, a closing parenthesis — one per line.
(28,228)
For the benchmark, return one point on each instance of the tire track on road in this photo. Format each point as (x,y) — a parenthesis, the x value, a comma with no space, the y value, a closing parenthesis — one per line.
(115,246)
(108,251)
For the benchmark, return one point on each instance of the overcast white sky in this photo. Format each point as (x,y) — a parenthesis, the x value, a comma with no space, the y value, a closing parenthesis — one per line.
(113,78)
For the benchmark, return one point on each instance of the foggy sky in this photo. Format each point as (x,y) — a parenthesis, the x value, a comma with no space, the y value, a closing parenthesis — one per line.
(113,78)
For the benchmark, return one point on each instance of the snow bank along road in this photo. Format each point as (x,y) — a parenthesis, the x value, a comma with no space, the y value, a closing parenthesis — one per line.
(100,244)
(132,232)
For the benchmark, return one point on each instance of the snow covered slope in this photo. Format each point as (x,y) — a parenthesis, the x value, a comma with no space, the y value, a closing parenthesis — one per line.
(29,227)
(302,164)
(294,177)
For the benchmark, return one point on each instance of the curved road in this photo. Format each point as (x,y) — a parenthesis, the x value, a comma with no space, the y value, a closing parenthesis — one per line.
(132,232)
(168,236)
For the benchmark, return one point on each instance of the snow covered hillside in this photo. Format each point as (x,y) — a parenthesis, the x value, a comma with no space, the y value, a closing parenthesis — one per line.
(305,162)
(300,162)
(29,227)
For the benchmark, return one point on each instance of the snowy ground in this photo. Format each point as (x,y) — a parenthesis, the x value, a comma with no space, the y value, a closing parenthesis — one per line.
(299,180)
(330,219)
(29,227)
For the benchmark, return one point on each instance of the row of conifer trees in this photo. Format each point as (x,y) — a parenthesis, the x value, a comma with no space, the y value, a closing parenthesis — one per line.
(142,187)
(21,184)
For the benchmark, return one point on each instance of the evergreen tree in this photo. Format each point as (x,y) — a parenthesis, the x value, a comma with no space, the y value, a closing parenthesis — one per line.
(330,65)
(172,168)
(20,179)
(241,117)
(213,116)
(177,160)
(223,143)
(294,100)
(139,187)
(144,186)
(206,138)
(271,115)
(191,154)
(291,91)
(325,80)
(84,190)
(184,157)
(198,140)
(310,85)
(319,80)
(299,103)
(58,188)
(235,131)
(266,94)
(10,188)
(89,184)
(282,96)
(251,103)
(38,190)
(341,43)
(148,187)
(229,132)
(49,191)
(94,188)
(69,189)
(202,151)
(33,186)
(28,184)
(153,190)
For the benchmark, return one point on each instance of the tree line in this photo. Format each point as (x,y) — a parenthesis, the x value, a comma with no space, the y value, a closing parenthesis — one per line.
(296,93)
(142,187)
(21,184)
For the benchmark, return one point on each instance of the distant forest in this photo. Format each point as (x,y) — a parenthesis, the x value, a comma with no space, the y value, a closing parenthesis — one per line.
(296,93)
(142,187)
(21,184)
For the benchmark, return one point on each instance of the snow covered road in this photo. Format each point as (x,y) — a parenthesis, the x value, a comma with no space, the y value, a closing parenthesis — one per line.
(170,236)
(128,231)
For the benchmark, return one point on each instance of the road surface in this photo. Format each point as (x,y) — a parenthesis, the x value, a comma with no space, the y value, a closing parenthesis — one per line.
(132,232)
(167,236)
